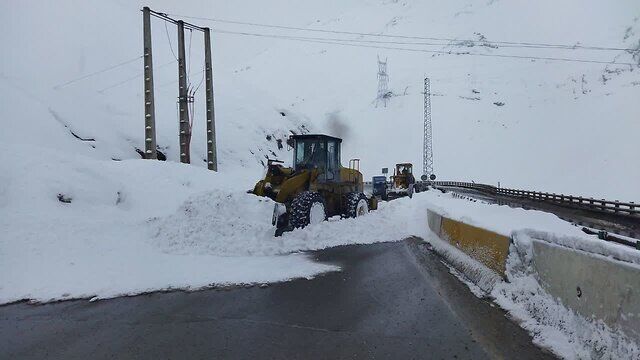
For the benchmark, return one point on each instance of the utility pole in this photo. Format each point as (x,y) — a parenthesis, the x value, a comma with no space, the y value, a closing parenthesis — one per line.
(185,131)
(427,151)
(186,94)
(212,156)
(150,149)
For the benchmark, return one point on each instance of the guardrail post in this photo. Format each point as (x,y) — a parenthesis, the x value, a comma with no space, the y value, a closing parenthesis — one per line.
(616,206)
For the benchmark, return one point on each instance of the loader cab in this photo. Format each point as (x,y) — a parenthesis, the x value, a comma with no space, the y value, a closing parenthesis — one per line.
(320,152)
(404,169)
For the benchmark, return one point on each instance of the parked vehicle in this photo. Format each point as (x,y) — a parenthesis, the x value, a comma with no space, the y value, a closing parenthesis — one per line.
(380,186)
(402,181)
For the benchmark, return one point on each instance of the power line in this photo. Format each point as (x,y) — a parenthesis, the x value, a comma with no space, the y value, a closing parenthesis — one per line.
(458,43)
(97,72)
(132,78)
(334,42)
(164,16)
(175,81)
(504,43)
(169,39)
(201,79)
(189,58)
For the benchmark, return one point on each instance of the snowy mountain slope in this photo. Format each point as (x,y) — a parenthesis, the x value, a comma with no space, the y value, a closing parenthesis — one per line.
(538,124)
(43,105)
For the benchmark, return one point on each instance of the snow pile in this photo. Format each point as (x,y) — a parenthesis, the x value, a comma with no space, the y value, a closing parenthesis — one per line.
(76,227)
(238,224)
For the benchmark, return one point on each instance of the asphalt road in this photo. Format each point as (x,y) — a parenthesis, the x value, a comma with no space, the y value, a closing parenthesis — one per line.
(391,301)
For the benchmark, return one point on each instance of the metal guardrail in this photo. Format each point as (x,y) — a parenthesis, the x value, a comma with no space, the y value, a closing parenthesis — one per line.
(577,202)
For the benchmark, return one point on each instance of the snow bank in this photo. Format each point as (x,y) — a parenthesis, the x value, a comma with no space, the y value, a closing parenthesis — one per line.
(238,224)
(98,244)
(128,227)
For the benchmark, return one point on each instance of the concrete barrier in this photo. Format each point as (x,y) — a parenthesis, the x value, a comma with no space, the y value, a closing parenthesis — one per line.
(487,247)
(435,222)
(592,285)
(597,283)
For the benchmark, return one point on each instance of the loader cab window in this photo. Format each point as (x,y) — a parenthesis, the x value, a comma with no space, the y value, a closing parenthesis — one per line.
(333,161)
(404,170)
(310,154)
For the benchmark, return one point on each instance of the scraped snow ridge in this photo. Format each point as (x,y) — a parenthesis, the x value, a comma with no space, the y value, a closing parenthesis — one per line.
(237,224)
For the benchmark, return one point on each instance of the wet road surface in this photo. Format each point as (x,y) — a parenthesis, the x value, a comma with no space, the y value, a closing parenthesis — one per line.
(390,301)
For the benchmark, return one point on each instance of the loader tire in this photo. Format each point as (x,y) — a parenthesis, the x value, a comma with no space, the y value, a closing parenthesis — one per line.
(356,204)
(307,208)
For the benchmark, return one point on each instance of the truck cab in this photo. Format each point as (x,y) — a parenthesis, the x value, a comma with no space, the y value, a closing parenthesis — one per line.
(379,184)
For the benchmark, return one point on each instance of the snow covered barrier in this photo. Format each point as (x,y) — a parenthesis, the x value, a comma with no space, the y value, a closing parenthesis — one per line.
(597,280)
(488,250)
(576,295)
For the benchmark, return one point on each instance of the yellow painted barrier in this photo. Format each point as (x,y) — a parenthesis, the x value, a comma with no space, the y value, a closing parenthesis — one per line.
(486,246)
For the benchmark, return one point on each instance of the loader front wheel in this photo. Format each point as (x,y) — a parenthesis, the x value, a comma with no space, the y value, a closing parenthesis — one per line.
(356,205)
(307,208)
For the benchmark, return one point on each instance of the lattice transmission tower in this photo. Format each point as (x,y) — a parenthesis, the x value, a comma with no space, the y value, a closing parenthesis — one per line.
(427,151)
(383,83)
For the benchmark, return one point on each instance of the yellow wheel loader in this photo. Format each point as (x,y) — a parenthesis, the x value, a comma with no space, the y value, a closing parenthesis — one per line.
(316,187)
(402,181)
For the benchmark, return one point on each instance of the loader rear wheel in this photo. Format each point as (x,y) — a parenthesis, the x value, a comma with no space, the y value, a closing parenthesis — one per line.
(307,208)
(356,204)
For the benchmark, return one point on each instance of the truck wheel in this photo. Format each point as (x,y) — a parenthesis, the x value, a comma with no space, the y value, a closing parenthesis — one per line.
(356,204)
(307,208)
